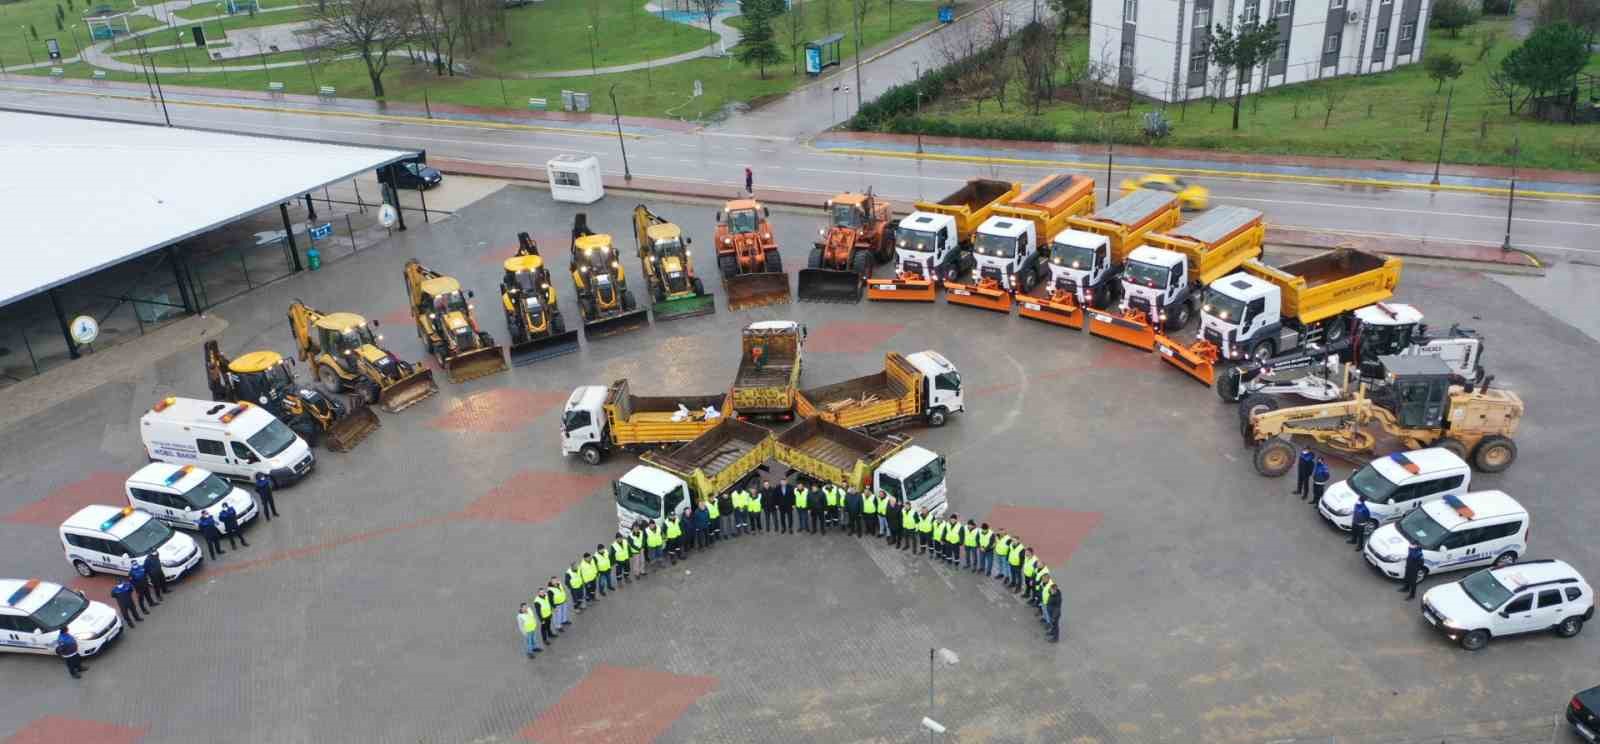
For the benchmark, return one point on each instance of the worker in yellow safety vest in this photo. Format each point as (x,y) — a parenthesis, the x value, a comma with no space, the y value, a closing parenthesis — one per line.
(714,508)
(602,565)
(591,575)
(752,506)
(558,598)
(653,542)
(869,511)
(985,550)
(952,539)
(1039,579)
(636,550)
(925,522)
(802,506)
(674,538)
(908,528)
(1015,562)
(528,625)
(740,522)
(969,546)
(542,602)
(937,548)
(619,558)
(575,584)
(1002,554)
(1030,567)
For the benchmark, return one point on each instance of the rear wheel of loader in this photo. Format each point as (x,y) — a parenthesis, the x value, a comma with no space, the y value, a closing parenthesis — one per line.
(1274,457)
(774,263)
(861,263)
(1494,454)
(699,286)
(815,261)
(370,392)
(1453,446)
(329,378)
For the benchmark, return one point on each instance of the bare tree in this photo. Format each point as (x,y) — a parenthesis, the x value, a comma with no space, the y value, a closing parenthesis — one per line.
(373,28)
(435,27)
(1332,95)
(1036,54)
(995,66)
(707,8)
(858,15)
(1502,85)
(794,28)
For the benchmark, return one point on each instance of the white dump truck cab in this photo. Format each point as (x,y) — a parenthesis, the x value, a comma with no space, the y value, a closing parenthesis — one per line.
(1006,250)
(944,394)
(914,476)
(1080,265)
(1240,316)
(583,423)
(1155,281)
(927,245)
(649,493)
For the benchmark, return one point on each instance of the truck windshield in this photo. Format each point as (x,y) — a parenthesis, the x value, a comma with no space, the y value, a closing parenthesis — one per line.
(1485,589)
(918,241)
(1222,306)
(1421,529)
(574,420)
(846,215)
(948,381)
(995,245)
(669,249)
(526,282)
(60,610)
(272,439)
(151,535)
(1370,483)
(742,221)
(356,337)
(639,501)
(1149,275)
(207,492)
(918,484)
(1072,256)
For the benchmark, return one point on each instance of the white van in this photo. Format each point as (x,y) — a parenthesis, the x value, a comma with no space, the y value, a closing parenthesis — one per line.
(1474,529)
(180,494)
(237,440)
(33,612)
(1395,485)
(108,539)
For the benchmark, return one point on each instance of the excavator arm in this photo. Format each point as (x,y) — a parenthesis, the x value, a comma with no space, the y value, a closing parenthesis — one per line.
(302,318)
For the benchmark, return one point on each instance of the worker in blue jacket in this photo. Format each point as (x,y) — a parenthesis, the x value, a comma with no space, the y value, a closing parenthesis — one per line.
(1358,522)
(123,593)
(141,586)
(213,536)
(1319,481)
(1302,472)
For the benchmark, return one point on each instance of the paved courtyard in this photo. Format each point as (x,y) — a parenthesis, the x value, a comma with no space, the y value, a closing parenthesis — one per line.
(1202,603)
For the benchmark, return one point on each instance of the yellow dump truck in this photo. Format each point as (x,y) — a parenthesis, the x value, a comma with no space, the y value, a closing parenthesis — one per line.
(598,419)
(769,368)
(920,387)
(828,453)
(668,483)
(971,204)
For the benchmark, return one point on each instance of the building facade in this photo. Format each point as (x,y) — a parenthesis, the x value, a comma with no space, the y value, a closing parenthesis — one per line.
(1157,48)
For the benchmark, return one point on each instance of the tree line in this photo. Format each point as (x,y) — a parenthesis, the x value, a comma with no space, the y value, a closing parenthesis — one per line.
(378,30)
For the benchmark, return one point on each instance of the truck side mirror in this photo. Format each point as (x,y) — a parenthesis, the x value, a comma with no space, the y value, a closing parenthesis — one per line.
(469,294)
(688,240)
(766,212)
(375,323)
(717,218)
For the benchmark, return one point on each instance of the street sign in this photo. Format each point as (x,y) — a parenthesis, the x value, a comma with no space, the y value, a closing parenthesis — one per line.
(322,231)
(387,215)
(84,329)
(698,89)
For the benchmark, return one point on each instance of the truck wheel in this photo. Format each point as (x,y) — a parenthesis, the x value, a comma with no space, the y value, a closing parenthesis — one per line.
(628,303)
(1264,350)
(815,261)
(1335,329)
(590,454)
(1494,454)
(1475,640)
(1453,446)
(861,263)
(658,292)
(936,417)
(885,251)
(85,571)
(1029,278)
(1255,403)
(1228,383)
(1179,317)
(699,286)
(774,262)
(728,265)
(558,325)
(1274,457)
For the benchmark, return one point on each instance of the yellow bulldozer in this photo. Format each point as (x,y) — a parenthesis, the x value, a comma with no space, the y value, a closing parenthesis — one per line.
(1417,403)
(344,355)
(267,378)
(537,329)
(443,315)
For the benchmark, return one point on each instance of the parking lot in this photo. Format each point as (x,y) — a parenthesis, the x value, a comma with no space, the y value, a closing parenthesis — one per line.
(1202,602)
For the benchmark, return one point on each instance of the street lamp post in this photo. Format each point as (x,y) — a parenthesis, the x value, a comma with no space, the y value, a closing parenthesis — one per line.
(1443,127)
(185,54)
(616,114)
(948,657)
(917,66)
(594,70)
(1511,196)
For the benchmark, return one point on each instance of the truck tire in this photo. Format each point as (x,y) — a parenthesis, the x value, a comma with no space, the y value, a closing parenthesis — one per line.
(1263,350)
(658,292)
(936,417)
(1475,640)
(728,265)
(1027,279)
(1179,317)
(1335,329)
(699,286)
(1453,446)
(1274,457)
(85,570)
(1228,383)
(815,261)
(885,252)
(774,263)
(1494,454)
(1255,403)
(1570,626)
(590,454)
(628,303)
(861,263)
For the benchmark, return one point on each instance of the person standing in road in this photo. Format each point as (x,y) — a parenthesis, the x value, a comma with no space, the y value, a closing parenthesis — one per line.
(891,513)
(123,593)
(726,510)
(752,504)
(141,586)
(939,526)
(1014,565)
(602,568)
(1319,481)
(1039,580)
(1052,611)
(832,496)
(1030,569)
(783,496)
(883,514)
(541,601)
(969,546)
(67,649)
(675,539)
(702,524)
(1358,523)
(819,508)
(771,505)
(591,576)
(1302,472)
(157,575)
(575,585)
(230,526)
(749,181)
(269,506)
(714,513)
(558,598)
(213,536)
(924,531)
(952,538)
(869,511)
(1413,570)
(853,505)
(909,520)
(528,625)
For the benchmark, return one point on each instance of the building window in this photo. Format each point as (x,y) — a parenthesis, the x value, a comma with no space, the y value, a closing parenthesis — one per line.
(1202,17)
(1284,8)
(1281,54)
(1252,10)
(1197,60)
(1127,55)
(1130,11)
(1407,31)
(1380,42)
(1330,45)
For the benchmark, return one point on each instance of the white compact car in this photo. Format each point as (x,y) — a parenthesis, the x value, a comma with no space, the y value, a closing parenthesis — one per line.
(180,494)
(33,612)
(1475,529)
(108,539)
(1525,598)
(1395,485)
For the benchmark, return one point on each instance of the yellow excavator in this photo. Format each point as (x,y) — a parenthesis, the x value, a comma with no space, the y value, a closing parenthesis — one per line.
(664,255)
(445,322)
(537,329)
(267,378)
(344,355)
(608,307)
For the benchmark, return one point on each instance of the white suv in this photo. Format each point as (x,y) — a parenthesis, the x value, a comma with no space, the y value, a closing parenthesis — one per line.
(1525,598)
(1395,485)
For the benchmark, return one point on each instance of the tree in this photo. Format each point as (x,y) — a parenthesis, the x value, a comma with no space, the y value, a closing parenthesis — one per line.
(1583,14)
(1442,67)
(793,28)
(371,28)
(1036,53)
(1069,14)
(707,8)
(995,66)
(1451,16)
(1241,50)
(1549,61)
(437,26)
(758,45)
(858,15)
(1333,94)
(1502,85)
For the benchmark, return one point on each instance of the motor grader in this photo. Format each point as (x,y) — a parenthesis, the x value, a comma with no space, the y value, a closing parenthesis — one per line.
(1418,403)
(747,256)
(675,291)
(603,296)
(537,329)
(267,378)
(344,355)
(859,236)
(445,321)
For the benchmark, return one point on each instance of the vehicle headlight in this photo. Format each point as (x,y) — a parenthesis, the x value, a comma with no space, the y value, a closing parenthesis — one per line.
(1451,624)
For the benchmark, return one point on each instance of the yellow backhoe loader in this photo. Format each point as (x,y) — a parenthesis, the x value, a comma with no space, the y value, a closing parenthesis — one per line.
(675,291)
(537,329)
(443,315)
(267,378)
(344,355)
(603,296)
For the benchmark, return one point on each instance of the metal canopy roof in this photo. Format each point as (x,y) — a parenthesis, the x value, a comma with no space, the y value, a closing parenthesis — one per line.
(87,194)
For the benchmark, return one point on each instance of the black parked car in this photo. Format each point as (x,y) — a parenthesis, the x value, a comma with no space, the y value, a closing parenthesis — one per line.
(411,174)
(1584,714)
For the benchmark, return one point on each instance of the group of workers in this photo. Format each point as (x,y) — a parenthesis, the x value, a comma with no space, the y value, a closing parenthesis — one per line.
(785,507)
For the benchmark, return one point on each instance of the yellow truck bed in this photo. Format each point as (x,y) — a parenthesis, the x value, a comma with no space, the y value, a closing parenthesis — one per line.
(1050,202)
(863,401)
(719,458)
(971,204)
(1216,243)
(1126,221)
(648,420)
(770,387)
(1333,282)
(834,454)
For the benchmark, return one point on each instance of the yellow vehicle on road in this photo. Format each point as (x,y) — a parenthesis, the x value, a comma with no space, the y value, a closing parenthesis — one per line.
(1193,196)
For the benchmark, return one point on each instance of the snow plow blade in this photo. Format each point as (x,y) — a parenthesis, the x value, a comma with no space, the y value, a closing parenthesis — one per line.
(1198,360)
(1129,328)
(612,325)
(544,347)
(408,392)
(354,426)
(756,290)
(828,285)
(686,307)
(1065,314)
(986,296)
(904,288)
(474,364)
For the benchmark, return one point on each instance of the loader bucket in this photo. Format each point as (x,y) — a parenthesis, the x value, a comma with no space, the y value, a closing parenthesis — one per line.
(1129,328)
(828,285)
(409,391)
(611,325)
(684,307)
(348,431)
(1197,361)
(542,348)
(973,295)
(755,290)
(474,364)
(901,290)
(1057,313)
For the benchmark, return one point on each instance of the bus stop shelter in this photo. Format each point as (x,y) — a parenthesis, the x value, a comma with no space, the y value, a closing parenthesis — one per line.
(822,53)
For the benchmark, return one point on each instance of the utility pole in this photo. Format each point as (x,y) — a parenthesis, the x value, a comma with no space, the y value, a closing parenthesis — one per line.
(1511,197)
(1443,127)
(627,175)
(917,65)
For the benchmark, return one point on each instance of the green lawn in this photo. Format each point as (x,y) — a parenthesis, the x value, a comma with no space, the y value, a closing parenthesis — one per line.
(1379,116)
(201,9)
(555,35)
(821,18)
(17,42)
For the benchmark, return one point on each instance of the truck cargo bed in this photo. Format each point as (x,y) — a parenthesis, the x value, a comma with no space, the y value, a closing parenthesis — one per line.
(1332,266)
(976,193)
(833,445)
(772,373)
(878,384)
(718,448)
(1327,284)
